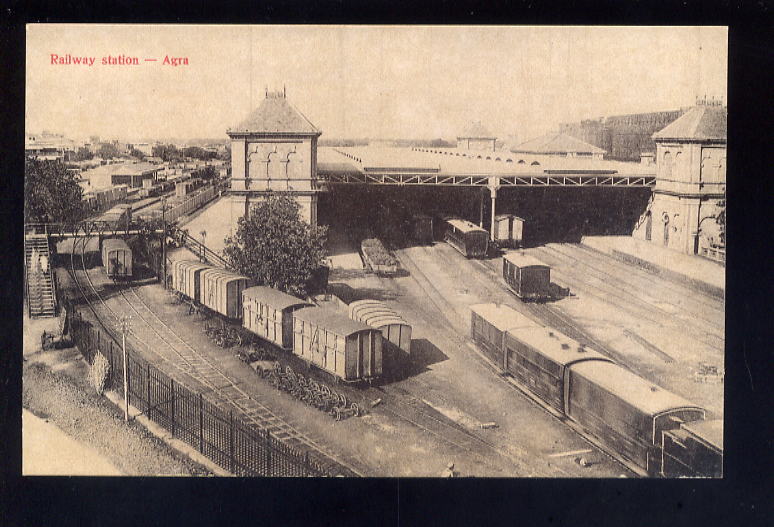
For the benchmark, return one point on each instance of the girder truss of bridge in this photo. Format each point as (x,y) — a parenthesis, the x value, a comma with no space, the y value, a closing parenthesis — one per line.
(536,180)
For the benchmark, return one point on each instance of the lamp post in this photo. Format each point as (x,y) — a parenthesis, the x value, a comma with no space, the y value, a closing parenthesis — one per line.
(164,238)
(204,236)
(124,321)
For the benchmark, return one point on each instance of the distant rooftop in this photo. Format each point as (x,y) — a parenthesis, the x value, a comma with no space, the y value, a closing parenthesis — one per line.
(556,143)
(705,122)
(276,115)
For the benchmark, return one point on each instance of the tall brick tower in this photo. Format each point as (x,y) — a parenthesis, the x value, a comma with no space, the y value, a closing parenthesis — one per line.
(275,150)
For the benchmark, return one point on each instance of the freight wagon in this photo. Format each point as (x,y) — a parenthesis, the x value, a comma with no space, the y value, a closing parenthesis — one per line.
(422,229)
(185,278)
(268,313)
(625,412)
(221,291)
(117,258)
(396,332)
(350,351)
(527,277)
(509,230)
(469,239)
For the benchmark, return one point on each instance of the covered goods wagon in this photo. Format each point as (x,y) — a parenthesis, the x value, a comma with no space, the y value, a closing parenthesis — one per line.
(509,230)
(468,238)
(395,330)
(186,279)
(269,314)
(331,341)
(527,276)
(694,450)
(221,291)
(117,258)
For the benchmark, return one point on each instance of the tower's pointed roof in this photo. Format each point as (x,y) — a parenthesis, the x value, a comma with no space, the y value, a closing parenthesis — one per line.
(275,115)
(704,122)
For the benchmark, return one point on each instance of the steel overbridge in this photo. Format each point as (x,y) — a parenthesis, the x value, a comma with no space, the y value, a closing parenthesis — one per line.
(543,179)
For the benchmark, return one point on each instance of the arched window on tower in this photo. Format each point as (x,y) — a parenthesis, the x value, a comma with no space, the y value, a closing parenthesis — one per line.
(666,170)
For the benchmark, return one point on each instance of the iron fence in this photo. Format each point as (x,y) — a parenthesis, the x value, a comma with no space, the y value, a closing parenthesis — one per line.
(240,448)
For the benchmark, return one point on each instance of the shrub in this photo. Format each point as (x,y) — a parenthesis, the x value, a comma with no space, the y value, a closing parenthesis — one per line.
(99,372)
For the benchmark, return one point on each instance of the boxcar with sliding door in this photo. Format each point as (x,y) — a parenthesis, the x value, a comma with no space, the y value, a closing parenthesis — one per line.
(396,332)
(509,230)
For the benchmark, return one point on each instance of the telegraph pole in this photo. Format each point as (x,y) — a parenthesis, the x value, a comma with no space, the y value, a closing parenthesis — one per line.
(164,238)
(124,328)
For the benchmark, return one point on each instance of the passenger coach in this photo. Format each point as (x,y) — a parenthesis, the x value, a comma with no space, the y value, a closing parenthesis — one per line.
(468,238)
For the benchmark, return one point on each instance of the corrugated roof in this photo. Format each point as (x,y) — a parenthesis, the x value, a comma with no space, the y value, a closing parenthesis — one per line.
(632,389)
(476,130)
(524,260)
(710,431)
(276,115)
(331,320)
(272,297)
(503,317)
(374,313)
(699,123)
(556,143)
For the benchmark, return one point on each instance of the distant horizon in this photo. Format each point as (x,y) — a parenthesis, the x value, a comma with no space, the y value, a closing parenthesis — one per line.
(380,82)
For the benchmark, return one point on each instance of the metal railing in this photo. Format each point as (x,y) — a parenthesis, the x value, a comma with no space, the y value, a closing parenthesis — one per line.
(189,416)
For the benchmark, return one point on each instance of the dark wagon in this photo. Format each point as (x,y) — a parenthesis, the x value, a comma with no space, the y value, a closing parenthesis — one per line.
(540,359)
(117,258)
(694,450)
(468,238)
(488,324)
(268,313)
(625,411)
(422,228)
(509,230)
(527,277)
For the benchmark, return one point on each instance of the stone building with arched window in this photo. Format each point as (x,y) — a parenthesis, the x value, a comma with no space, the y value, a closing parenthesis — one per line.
(690,181)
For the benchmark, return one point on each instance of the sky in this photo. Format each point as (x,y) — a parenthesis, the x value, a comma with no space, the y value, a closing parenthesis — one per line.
(356,81)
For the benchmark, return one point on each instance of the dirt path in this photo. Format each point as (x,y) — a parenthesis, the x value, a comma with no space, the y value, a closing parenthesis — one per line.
(97,439)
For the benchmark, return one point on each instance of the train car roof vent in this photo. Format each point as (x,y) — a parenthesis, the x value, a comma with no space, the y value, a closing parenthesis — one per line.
(565,346)
(550,333)
(654,388)
(581,349)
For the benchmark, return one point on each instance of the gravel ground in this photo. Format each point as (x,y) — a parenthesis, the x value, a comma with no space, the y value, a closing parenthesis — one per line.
(70,403)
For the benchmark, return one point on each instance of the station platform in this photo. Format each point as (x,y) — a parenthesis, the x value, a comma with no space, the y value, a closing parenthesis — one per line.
(694,271)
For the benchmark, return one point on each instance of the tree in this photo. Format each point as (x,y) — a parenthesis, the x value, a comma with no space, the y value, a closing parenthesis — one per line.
(107,151)
(51,193)
(167,152)
(207,173)
(136,153)
(720,219)
(274,247)
(83,154)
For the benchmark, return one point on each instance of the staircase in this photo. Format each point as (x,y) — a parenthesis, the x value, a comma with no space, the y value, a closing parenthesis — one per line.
(40,287)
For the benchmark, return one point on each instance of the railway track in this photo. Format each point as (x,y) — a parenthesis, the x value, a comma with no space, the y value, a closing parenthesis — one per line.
(598,285)
(591,440)
(222,390)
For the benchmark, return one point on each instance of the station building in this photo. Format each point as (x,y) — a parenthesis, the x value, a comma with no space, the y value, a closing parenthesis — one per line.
(690,182)
(274,149)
